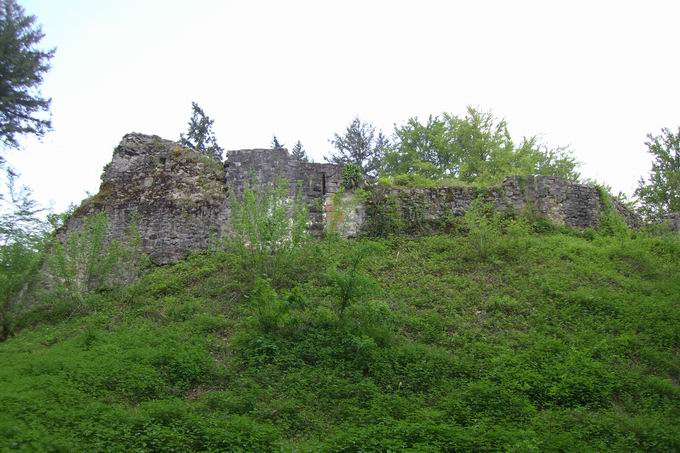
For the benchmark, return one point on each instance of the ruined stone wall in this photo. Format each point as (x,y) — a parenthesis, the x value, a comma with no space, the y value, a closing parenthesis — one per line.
(262,167)
(179,199)
(176,197)
(426,209)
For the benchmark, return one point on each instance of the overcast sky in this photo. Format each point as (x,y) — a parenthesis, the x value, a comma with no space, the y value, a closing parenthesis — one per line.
(595,75)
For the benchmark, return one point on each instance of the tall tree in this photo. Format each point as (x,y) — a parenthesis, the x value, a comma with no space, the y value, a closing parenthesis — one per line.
(276,144)
(299,152)
(659,195)
(20,214)
(474,147)
(360,145)
(22,234)
(23,109)
(200,136)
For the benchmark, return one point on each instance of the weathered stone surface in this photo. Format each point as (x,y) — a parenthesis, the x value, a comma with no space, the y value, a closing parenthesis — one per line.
(179,199)
(263,167)
(176,197)
(422,210)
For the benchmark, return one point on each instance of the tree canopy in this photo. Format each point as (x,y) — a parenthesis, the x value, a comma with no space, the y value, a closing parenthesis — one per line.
(23,109)
(299,152)
(361,146)
(659,194)
(275,143)
(200,136)
(20,214)
(474,147)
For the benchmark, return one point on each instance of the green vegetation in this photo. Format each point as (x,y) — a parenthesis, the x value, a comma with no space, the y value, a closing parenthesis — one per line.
(299,153)
(359,145)
(268,225)
(94,201)
(506,335)
(276,144)
(24,65)
(418,181)
(44,277)
(19,262)
(474,148)
(88,260)
(659,194)
(345,204)
(200,136)
(352,177)
(448,150)
(22,237)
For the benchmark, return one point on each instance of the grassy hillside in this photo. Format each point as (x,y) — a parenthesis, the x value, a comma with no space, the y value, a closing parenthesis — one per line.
(528,339)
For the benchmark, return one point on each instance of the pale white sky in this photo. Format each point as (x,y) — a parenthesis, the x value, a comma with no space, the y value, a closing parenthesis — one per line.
(596,75)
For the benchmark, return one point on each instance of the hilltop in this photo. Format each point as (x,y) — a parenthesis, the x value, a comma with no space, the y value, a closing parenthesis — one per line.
(525,337)
(179,199)
(263,304)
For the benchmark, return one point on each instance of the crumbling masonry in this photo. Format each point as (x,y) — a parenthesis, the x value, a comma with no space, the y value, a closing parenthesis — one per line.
(179,199)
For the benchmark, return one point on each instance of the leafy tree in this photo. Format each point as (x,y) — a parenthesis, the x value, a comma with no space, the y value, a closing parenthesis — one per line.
(660,193)
(200,136)
(276,144)
(22,235)
(299,152)
(361,146)
(475,147)
(22,67)
(19,264)
(19,213)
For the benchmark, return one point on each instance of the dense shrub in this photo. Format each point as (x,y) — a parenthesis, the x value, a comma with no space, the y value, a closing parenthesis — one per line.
(553,341)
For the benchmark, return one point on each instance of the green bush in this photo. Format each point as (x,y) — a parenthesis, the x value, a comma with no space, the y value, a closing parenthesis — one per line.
(19,263)
(611,222)
(351,284)
(558,341)
(87,259)
(483,231)
(352,176)
(267,225)
(270,310)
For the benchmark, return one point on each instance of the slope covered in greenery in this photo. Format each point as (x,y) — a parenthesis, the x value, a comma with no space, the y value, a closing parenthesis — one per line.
(525,338)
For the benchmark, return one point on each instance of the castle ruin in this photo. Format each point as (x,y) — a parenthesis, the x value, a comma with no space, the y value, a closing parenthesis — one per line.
(179,199)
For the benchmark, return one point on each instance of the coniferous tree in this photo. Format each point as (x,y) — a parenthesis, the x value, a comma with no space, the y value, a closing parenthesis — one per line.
(299,152)
(360,146)
(276,144)
(660,193)
(22,68)
(200,136)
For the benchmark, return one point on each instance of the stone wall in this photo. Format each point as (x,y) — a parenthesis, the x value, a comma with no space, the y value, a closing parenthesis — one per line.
(179,199)
(176,196)
(426,209)
(262,167)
